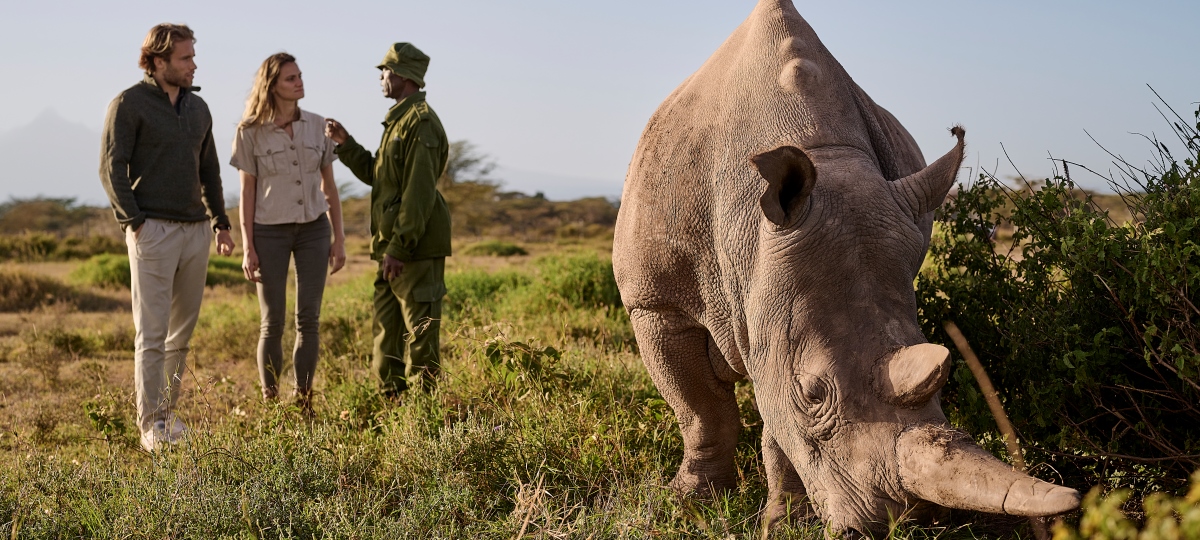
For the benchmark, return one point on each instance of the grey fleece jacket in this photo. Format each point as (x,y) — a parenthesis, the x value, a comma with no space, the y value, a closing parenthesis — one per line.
(158,160)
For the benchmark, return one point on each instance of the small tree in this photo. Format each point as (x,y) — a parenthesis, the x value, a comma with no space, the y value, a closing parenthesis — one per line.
(468,188)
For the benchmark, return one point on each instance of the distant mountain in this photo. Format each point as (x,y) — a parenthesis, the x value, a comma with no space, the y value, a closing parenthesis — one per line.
(54,157)
(556,187)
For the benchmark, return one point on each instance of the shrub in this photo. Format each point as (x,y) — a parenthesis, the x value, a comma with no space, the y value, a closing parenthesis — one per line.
(37,246)
(112,271)
(27,247)
(107,270)
(494,248)
(1165,517)
(478,288)
(226,271)
(582,280)
(21,291)
(1088,326)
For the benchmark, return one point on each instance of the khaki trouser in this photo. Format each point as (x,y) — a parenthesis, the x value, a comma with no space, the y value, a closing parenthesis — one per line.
(168,263)
(408,313)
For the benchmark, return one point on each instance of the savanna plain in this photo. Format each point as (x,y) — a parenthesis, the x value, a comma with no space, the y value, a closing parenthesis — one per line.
(544,424)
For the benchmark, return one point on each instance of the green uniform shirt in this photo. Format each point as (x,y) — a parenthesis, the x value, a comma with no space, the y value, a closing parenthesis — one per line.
(409,218)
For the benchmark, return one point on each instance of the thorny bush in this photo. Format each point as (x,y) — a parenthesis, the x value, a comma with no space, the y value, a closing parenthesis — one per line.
(1087,326)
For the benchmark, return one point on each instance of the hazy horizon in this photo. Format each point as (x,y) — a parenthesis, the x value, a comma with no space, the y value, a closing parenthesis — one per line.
(558,93)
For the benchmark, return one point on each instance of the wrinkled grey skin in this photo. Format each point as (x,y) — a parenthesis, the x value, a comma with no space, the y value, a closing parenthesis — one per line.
(772,223)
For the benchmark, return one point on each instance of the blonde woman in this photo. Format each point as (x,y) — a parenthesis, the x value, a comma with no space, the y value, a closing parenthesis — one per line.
(289,209)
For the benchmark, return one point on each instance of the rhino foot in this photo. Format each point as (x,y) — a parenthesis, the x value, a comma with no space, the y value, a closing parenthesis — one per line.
(701,486)
(791,508)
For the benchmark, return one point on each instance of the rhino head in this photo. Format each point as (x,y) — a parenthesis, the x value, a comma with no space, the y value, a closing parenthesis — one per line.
(845,382)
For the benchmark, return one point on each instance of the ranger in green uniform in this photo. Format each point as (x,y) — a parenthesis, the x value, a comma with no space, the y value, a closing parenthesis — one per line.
(410,223)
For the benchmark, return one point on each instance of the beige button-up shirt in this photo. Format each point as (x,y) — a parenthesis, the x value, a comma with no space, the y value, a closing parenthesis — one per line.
(288,169)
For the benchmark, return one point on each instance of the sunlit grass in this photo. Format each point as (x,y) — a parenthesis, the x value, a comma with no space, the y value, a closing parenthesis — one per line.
(544,425)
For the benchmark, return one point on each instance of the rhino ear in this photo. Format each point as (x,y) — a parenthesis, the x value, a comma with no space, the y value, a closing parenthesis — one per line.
(924,190)
(790,177)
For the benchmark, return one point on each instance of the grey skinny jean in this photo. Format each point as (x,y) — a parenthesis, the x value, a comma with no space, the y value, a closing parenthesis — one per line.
(276,245)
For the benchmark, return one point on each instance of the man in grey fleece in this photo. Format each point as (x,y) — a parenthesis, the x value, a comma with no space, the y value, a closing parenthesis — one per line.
(159,166)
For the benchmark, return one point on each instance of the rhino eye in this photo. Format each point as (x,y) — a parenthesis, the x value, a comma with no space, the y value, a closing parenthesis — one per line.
(816,397)
(815,392)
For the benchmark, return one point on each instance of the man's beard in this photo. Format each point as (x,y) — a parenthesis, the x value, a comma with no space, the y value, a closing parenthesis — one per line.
(176,77)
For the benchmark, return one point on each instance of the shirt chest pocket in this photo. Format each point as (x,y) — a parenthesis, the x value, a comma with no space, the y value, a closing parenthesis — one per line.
(395,152)
(273,161)
(313,152)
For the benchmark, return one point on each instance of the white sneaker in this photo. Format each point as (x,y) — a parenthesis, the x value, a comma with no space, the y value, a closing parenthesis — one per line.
(179,430)
(156,437)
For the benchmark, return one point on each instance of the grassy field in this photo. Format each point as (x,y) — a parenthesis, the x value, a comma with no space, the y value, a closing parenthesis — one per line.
(545,424)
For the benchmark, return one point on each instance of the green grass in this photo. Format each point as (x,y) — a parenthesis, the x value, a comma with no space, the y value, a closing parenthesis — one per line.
(544,425)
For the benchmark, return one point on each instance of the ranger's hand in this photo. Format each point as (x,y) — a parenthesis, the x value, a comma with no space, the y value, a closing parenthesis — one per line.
(392,267)
(335,131)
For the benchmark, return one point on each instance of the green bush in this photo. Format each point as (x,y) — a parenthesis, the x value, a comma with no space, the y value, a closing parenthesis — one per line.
(1165,517)
(21,291)
(226,271)
(582,280)
(479,288)
(494,248)
(107,270)
(112,271)
(1087,326)
(36,246)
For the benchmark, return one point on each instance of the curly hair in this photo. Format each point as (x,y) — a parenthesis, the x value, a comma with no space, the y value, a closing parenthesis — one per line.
(160,43)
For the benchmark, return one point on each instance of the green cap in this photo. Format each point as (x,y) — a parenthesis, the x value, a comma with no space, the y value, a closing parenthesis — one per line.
(406,60)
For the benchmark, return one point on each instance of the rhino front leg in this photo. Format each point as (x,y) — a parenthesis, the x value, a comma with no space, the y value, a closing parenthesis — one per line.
(678,355)
(786,496)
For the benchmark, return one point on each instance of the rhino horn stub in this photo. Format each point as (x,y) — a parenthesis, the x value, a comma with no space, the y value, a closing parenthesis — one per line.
(926,189)
(790,176)
(945,467)
(911,376)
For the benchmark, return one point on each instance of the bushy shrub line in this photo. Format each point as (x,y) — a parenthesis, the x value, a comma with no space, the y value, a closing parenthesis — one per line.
(22,291)
(112,271)
(36,247)
(1087,326)
(494,248)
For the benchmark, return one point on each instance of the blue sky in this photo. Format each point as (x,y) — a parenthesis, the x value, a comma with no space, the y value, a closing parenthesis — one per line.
(556,89)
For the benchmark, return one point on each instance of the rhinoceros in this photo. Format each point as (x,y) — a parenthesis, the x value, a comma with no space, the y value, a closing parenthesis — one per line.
(772,222)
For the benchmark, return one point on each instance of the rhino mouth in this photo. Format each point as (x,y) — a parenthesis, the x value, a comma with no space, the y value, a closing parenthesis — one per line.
(937,469)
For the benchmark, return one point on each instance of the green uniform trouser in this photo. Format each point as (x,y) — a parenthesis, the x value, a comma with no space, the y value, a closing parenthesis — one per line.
(408,313)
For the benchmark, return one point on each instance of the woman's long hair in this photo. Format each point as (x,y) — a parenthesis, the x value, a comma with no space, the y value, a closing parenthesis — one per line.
(260,106)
